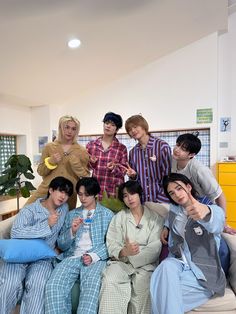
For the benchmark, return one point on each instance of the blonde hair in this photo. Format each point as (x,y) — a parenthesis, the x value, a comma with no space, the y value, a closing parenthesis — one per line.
(136,120)
(63,120)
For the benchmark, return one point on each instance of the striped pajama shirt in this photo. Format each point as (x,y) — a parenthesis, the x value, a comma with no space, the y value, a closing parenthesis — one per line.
(151,165)
(26,281)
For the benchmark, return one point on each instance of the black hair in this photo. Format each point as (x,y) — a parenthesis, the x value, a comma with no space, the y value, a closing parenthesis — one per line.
(115,118)
(132,187)
(61,184)
(173,177)
(189,142)
(90,184)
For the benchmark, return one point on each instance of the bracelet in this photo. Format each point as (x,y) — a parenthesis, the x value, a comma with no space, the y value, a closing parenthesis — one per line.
(48,165)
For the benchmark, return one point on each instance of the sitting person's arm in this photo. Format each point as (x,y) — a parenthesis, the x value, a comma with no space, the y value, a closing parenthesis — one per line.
(26,226)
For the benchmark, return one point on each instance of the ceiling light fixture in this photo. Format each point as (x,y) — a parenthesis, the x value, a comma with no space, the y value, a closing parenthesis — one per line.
(74,43)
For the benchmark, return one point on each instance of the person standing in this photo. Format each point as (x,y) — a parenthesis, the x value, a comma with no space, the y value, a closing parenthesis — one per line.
(63,157)
(149,160)
(108,157)
(183,161)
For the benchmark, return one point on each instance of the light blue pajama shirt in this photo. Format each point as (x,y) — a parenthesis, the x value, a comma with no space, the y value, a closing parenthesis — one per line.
(58,288)
(27,281)
(175,286)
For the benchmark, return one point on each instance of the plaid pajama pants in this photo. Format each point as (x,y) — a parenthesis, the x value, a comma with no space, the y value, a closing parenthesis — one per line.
(58,288)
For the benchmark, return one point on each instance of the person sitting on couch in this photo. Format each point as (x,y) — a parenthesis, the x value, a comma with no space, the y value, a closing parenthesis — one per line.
(42,219)
(192,272)
(84,256)
(133,241)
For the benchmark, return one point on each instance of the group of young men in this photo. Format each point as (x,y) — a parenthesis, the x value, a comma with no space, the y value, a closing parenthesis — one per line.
(79,234)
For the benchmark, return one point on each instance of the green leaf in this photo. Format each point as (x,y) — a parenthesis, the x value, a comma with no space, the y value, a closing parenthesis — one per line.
(12,192)
(10,181)
(29,175)
(25,191)
(3,179)
(29,186)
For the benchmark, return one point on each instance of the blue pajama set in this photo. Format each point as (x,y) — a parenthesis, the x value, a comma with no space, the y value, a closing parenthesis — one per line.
(26,281)
(71,268)
(192,272)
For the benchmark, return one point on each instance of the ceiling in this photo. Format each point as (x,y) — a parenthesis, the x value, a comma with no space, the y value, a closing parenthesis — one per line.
(118,37)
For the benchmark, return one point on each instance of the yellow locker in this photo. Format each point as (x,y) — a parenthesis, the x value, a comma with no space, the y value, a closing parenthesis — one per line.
(227,181)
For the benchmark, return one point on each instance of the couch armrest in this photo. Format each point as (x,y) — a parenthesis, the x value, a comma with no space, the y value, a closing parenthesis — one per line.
(5,227)
(231,241)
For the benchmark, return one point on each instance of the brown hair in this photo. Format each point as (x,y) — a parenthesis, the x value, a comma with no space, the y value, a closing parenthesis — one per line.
(63,120)
(136,120)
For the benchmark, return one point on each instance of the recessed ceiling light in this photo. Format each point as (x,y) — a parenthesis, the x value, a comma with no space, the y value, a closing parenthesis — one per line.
(74,43)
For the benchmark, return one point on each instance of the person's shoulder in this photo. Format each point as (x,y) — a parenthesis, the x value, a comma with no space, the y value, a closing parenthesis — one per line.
(63,208)
(160,141)
(122,213)
(194,163)
(121,145)
(32,208)
(51,145)
(104,210)
(94,142)
(75,212)
(78,146)
(136,147)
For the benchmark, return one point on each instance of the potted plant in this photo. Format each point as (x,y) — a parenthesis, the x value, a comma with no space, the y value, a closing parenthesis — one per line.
(13,179)
(113,203)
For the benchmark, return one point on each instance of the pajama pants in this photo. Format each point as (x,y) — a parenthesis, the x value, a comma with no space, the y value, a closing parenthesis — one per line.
(175,289)
(58,288)
(25,282)
(125,290)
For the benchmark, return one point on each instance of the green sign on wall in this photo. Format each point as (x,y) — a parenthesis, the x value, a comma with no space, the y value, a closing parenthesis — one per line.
(204,115)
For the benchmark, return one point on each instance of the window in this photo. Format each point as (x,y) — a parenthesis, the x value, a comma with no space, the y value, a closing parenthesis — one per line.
(7,148)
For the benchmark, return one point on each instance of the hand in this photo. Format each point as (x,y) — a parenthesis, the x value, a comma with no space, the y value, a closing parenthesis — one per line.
(229,230)
(76,223)
(87,259)
(164,235)
(196,210)
(92,158)
(130,172)
(111,165)
(131,248)
(55,158)
(52,219)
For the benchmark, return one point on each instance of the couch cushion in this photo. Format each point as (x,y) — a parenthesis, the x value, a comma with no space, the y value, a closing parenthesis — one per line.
(25,250)
(231,241)
(5,227)
(217,304)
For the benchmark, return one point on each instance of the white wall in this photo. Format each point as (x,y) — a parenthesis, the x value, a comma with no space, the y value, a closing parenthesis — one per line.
(167,92)
(227,86)
(16,120)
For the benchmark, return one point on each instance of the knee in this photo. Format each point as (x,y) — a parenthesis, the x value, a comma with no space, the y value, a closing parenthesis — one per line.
(33,285)
(168,265)
(50,287)
(9,286)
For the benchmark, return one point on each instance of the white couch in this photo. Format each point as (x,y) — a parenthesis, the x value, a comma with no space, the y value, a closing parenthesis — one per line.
(218,305)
